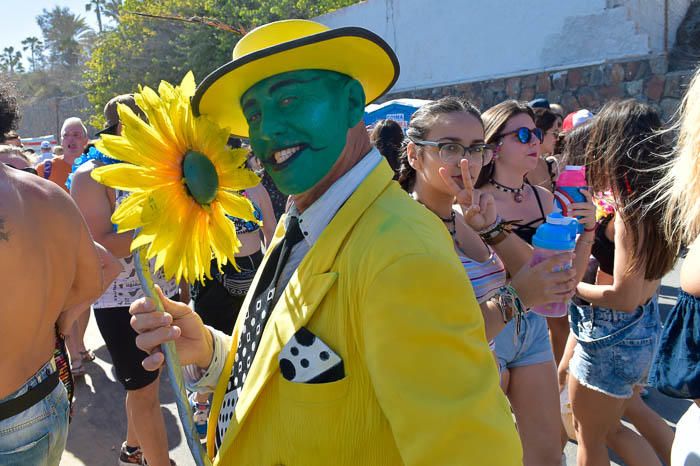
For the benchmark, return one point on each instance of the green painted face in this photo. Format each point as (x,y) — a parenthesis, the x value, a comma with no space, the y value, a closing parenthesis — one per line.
(299,122)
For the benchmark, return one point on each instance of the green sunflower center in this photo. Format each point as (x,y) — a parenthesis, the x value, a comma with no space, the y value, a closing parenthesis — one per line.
(200,177)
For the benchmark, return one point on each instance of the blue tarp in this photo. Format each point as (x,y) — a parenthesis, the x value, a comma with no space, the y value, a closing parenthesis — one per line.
(399,110)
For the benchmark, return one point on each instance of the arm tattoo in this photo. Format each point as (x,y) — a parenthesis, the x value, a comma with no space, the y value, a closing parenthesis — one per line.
(4,235)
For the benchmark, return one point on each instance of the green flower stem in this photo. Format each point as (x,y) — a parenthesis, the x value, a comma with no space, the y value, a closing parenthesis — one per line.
(172,362)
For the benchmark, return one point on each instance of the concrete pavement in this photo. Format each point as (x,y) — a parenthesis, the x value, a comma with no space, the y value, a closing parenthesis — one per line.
(99,424)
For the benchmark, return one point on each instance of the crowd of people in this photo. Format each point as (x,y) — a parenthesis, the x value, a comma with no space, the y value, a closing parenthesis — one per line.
(412,275)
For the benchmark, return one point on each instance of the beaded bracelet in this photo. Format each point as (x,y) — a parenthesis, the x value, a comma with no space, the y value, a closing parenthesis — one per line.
(497,232)
(492,227)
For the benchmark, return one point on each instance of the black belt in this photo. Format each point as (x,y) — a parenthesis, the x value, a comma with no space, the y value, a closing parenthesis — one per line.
(23,402)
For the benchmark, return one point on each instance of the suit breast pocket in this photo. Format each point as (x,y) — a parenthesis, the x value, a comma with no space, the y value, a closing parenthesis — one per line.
(313,393)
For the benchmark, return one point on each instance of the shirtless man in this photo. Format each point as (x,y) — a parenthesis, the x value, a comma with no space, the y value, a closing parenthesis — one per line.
(43,240)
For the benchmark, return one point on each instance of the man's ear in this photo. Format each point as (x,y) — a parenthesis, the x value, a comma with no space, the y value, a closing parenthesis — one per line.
(356,102)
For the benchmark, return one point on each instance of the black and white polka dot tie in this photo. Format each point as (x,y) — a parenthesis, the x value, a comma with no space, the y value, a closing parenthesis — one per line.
(256,317)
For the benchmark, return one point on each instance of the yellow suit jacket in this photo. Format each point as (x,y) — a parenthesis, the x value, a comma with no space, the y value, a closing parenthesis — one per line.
(385,290)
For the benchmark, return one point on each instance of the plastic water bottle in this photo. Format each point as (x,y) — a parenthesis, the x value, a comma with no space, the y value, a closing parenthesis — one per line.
(568,191)
(556,235)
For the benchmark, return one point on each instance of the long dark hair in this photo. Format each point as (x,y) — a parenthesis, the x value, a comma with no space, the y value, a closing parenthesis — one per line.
(420,125)
(387,137)
(544,119)
(624,152)
(574,144)
(495,119)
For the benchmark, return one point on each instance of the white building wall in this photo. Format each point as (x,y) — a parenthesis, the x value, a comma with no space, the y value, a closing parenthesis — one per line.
(442,42)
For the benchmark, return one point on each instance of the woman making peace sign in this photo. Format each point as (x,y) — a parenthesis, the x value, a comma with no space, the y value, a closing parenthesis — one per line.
(443,156)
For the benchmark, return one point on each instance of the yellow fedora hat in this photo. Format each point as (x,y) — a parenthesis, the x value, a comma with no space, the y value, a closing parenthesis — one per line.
(293,45)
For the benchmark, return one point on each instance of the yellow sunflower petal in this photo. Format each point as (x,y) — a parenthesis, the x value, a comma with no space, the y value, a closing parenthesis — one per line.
(144,138)
(222,234)
(204,245)
(236,205)
(129,177)
(141,239)
(176,252)
(199,246)
(169,231)
(130,207)
(119,148)
(158,116)
(167,92)
(160,261)
(187,85)
(237,180)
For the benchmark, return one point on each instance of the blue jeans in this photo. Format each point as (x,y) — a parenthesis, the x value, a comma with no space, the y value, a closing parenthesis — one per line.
(614,349)
(37,435)
(676,369)
(530,347)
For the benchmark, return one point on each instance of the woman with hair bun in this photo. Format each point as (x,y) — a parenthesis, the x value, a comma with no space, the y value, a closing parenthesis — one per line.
(387,136)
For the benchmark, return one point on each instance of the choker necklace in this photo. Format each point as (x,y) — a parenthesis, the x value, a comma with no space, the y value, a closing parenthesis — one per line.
(517,192)
(450,224)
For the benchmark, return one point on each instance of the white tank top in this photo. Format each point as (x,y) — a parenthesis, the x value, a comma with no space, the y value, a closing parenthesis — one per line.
(126,289)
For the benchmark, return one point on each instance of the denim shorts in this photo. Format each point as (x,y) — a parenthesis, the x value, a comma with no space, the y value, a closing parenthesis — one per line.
(614,349)
(528,348)
(37,435)
(676,369)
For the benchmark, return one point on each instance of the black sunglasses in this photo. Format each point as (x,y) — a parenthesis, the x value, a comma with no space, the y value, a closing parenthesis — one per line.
(524,134)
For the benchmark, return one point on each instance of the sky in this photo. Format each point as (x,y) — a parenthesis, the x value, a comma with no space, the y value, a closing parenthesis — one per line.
(18,19)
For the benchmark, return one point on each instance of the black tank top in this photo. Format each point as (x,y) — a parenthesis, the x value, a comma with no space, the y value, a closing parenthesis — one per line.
(603,249)
(527,230)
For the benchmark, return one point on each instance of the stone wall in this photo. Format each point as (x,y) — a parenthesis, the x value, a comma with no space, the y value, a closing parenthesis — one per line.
(447,42)
(648,80)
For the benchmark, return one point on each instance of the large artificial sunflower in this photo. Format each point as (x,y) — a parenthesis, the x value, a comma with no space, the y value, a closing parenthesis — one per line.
(183,181)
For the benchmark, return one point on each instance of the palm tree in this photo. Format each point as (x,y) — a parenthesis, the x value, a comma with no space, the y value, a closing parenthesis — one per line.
(35,47)
(65,35)
(99,6)
(111,9)
(12,60)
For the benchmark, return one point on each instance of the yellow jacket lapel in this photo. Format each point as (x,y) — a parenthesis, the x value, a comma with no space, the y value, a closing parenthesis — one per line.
(301,297)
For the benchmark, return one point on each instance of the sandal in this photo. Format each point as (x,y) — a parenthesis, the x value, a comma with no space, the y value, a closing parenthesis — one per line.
(88,355)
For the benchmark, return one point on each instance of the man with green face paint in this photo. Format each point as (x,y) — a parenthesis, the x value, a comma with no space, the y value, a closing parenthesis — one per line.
(313,108)
(362,342)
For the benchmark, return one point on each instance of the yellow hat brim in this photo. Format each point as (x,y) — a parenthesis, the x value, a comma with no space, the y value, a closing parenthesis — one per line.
(352,51)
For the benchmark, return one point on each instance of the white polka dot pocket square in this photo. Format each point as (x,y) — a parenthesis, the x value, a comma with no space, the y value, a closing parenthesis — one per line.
(307,359)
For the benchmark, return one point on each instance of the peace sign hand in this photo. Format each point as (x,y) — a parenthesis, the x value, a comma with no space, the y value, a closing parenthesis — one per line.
(478,207)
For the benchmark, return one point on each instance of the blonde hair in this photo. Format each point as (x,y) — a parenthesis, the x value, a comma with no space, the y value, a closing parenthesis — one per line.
(680,187)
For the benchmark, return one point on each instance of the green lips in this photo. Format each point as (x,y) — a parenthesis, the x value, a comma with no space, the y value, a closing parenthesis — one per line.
(200,177)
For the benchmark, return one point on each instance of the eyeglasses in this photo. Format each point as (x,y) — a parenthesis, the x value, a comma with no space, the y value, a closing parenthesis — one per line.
(453,152)
(524,134)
